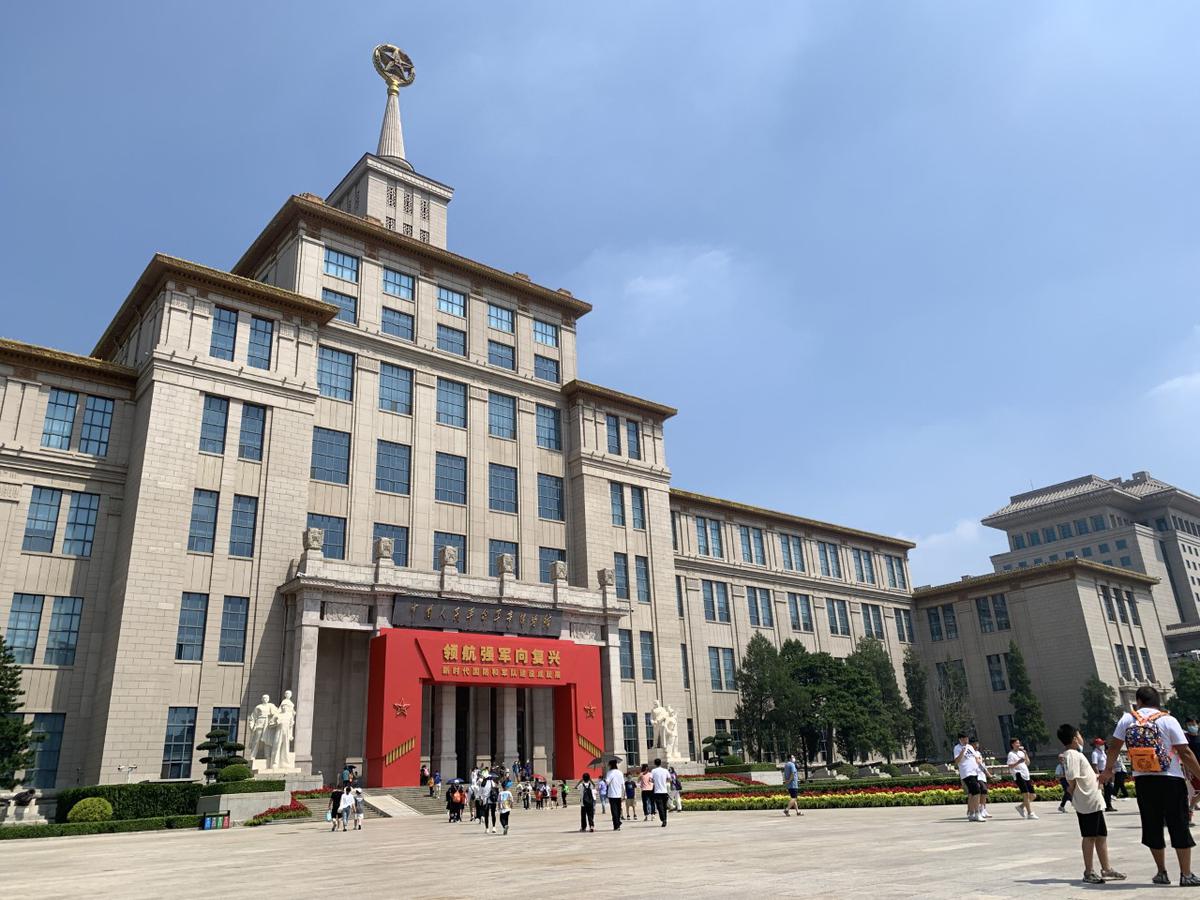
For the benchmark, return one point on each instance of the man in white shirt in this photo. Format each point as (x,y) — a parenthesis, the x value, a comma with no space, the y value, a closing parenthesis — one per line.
(1099,764)
(1159,755)
(964,758)
(1018,764)
(661,779)
(615,783)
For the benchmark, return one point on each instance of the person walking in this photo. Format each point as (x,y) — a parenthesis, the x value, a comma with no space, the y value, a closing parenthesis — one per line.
(630,791)
(335,806)
(646,786)
(488,797)
(791,780)
(676,790)
(473,799)
(1060,772)
(616,787)
(660,783)
(505,804)
(562,793)
(1161,759)
(1018,765)
(1099,764)
(982,774)
(1121,776)
(554,796)
(425,775)
(359,809)
(346,806)
(602,792)
(968,774)
(437,783)
(587,803)
(1088,807)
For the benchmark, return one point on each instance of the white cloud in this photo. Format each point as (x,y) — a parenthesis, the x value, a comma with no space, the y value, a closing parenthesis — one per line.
(946,556)
(1177,388)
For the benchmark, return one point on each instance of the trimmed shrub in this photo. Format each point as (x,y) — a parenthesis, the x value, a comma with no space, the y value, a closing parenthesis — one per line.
(235,773)
(254,786)
(732,761)
(17,832)
(91,809)
(847,769)
(145,800)
(891,768)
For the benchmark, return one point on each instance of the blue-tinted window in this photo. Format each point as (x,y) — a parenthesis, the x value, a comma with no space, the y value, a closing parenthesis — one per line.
(1081,527)
(545,368)
(399,536)
(502,415)
(397,284)
(262,338)
(44,771)
(621,574)
(547,557)
(649,669)
(613,425)
(346,304)
(226,717)
(500,318)
(330,456)
(189,639)
(716,600)
(502,488)
(641,569)
(395,389)
(452,340)
(1064,530)
(24,621)
(212,424)
(334,546)
(97,423)
(64,634)
(708,538)
(42,522)
(81,524)
(1098,523)
(626,638)
(550,497)
(637,506)
(792,549)
(545,333)
(177,747)
(633,439)
(203,528)
(224,333)
(60,419)
(839,619)
(616,501)
(393,466)
(452,302)
(800,609)
(233,630)
(450,478)
(498,548)
(341,265)
(458,541)
(451,403)
(502,355)
(250,438)
(335,373)
(549,430)
(398,324)
(243,525)
(828,555)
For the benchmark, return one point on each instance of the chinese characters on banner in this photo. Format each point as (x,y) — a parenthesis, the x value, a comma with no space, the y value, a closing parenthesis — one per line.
(419,613)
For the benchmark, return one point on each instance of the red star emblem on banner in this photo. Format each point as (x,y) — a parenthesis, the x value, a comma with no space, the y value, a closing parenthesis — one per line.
(401,708)
(589,711)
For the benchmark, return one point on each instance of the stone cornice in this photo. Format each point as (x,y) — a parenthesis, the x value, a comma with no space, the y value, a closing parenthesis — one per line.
(608,395)
(1066,568)
(20,355)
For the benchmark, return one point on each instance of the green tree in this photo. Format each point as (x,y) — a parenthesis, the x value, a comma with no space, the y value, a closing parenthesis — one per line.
(954,700)
(222,753)
(806,701)
(757,683)
(716,745)
(1100,710)
(1028,723)
(16,735)
(895,724)
(857,716)
(916,679)
(1186,701)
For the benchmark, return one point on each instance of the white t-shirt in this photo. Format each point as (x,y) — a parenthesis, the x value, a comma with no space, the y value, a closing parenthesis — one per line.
(1086,796)
(616,783)
(965,756)
(1099,758)
(346,801)
(1018,763)
(506,800)
(661,778)
(1170,731)
(980,773)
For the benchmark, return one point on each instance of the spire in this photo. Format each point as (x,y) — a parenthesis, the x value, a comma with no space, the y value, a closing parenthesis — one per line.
(395,68)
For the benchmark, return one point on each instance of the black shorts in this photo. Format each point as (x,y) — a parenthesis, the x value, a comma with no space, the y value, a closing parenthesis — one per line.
(1092,824)
(1024,785)
(792,792)
(971,785)
(1162,800)
(983,788)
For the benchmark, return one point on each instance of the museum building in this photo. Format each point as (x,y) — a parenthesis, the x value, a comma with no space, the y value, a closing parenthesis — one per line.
(363,468)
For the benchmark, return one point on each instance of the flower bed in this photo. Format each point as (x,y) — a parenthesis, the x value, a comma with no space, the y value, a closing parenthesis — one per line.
(294,810)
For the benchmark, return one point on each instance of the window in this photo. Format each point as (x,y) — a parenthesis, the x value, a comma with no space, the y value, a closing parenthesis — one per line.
(716,600)
(458,541)
(800,611)
(451,403)
(985,615)
(895,572)
(550,498)
(934,615)
(398,324)
(1122,613)
(633,439)
(502,355)
(397,284)
(64,631)
(450,478)
(452,302)
(626,637)
(502,415)
(224,333)
(233,630)
(792,550)
(335,373)
(547,557)
(637,507)
(621,574)
(498,548)
(226,717)
(1109,609)
(839,618)
(393,467)
(242,525)
(346,304)
(616,497)
(827,554)
(500,318)
(545,333)
(549,431)
(1126,562)
(995,664)
(1122,662)
(60,419)
(97,422)
(341,265)
(1146,664)
(1082,527)
(330,456)
(1035,539)
(452,340)
(649,671)
(1098,523)
(177,748)
(1000,611)
(904,627)
(81,524)
(1087,551)
(48,727)
(1018,542)
(1122,544)
(872,615)
(641,569)
(721,669)
(752,545)
(334,545)
(630,729)
(691,740)
(613,425)
(545,368)
(708,538)
(262,337)
(864,568)
(502,488)
(687,675)
(253,429)
(1048,535)
(1064,531)
(399,536)
(1133,610)
(212,424)
(24,621)
(1008,729)
(189,639)
(1135,663)
(679,595)
(950,621)
(203,528)
(395,389)
(762,612)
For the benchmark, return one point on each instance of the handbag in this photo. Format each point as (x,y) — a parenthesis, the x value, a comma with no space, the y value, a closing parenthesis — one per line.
(329,815)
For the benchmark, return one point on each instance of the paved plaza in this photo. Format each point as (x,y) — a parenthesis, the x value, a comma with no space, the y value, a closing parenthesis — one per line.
(902,852)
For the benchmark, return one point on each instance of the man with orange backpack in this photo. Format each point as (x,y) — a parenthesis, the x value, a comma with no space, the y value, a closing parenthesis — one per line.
(1161,759)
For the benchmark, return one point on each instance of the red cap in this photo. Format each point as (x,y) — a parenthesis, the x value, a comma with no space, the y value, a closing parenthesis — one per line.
(1096,742)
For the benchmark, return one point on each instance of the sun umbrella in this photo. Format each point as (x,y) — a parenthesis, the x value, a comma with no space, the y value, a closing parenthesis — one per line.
(603,759)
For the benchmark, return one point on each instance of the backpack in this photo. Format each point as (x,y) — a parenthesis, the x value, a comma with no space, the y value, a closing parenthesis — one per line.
(1148,752)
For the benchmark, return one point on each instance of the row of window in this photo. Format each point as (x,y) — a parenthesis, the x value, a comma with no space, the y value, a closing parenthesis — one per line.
(25,623)
(1086,552)
(1135,663)
(223,341)
(646,646)
(180,740)
(1181,524)
(94,429)
(193,622)
(637,505)
(1063,532)
(41,524)
(633,436)
(641,565)
(243,524)
(1118,607)
(992,612)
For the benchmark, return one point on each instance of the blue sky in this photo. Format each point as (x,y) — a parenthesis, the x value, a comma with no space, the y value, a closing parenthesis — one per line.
(893,262)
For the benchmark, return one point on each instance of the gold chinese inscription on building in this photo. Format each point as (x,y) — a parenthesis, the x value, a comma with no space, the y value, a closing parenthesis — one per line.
(478,617)
(488,661)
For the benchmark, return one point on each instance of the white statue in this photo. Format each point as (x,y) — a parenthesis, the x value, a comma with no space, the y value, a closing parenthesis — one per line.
(666,730)
(283,727)
(260,731)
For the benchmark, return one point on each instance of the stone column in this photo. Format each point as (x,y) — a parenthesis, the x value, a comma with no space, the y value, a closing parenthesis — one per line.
(506,724)
(481,712)
(447,710)
(305,687)
(542,734)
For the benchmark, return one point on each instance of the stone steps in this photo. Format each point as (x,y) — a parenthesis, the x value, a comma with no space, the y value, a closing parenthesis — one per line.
(416,798)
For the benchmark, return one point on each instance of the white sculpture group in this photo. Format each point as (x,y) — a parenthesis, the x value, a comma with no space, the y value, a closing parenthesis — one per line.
(666,730)
(270,732)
